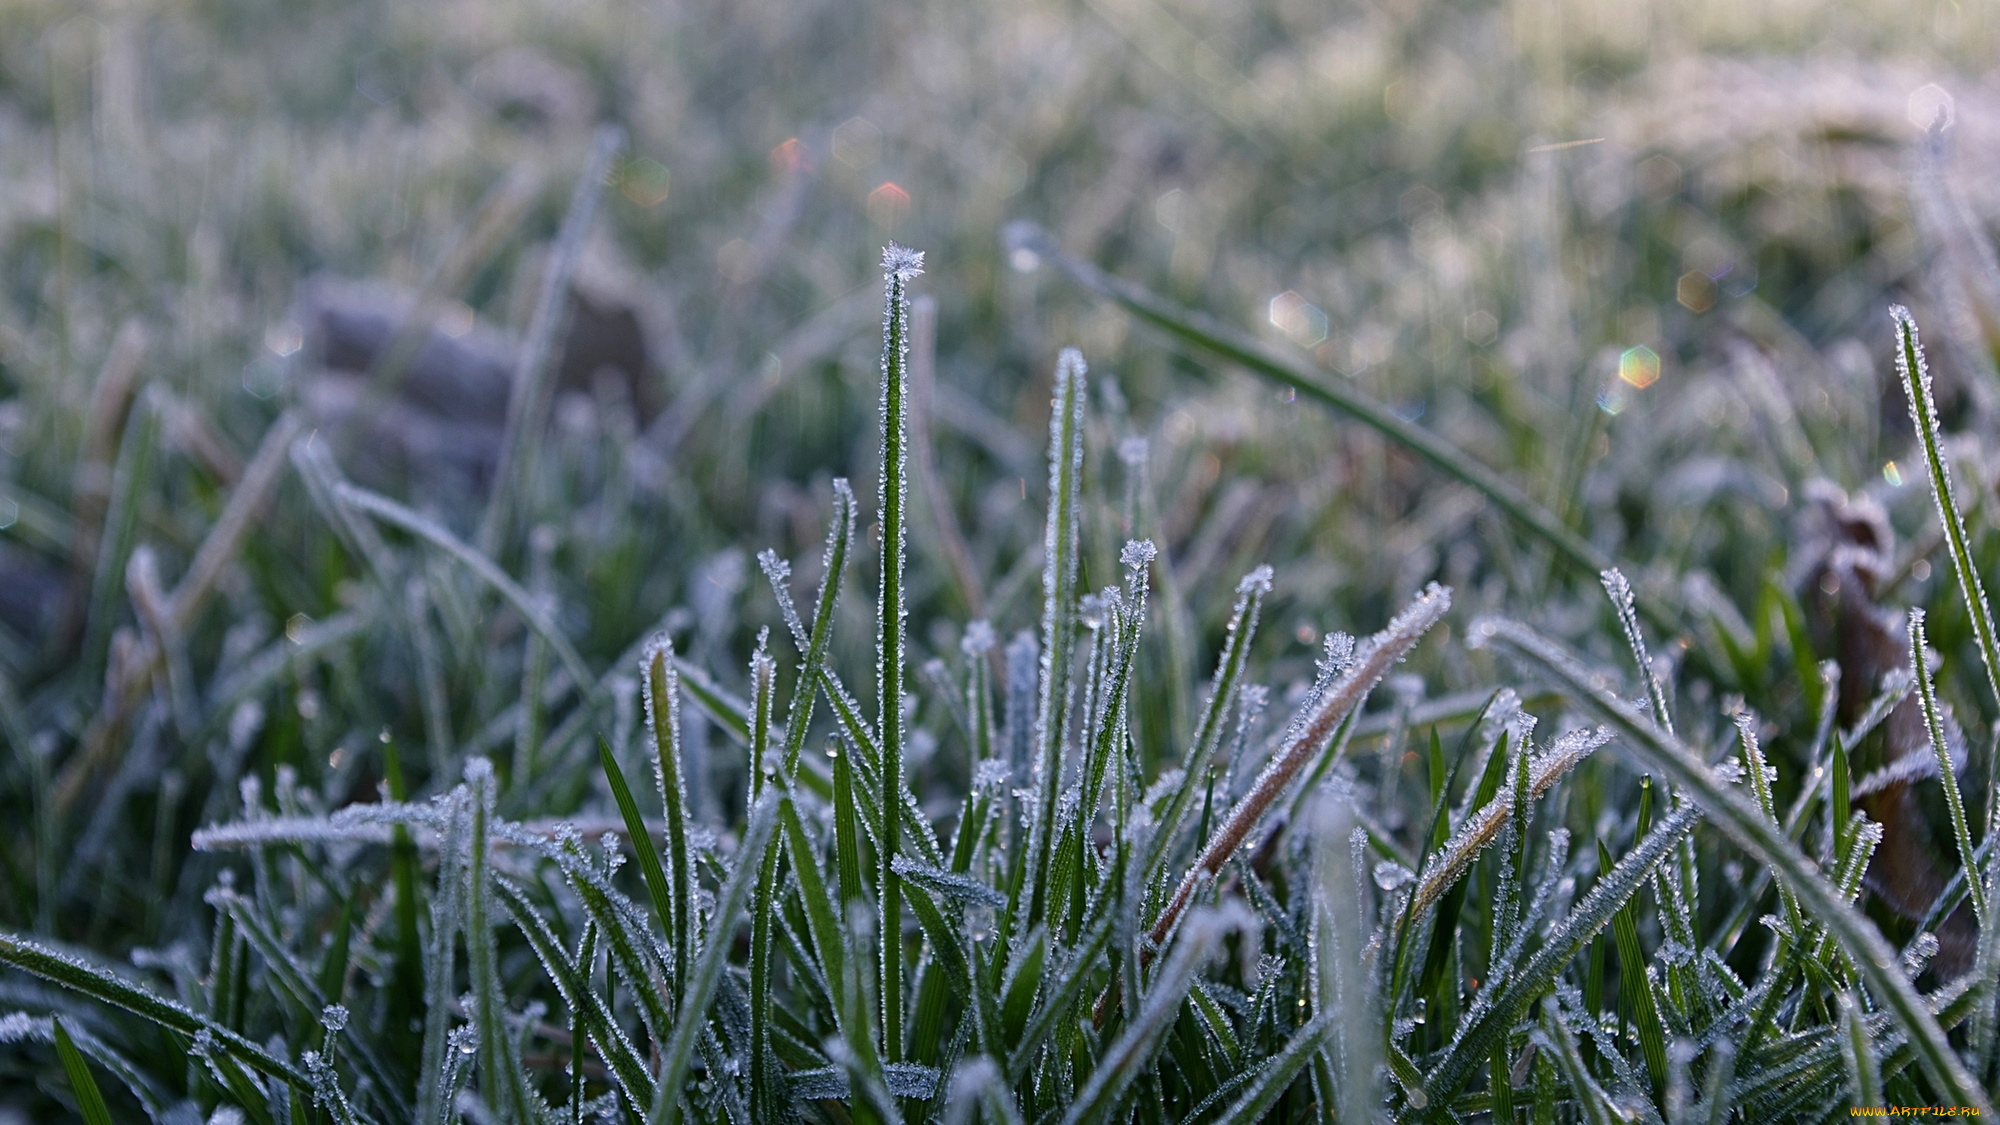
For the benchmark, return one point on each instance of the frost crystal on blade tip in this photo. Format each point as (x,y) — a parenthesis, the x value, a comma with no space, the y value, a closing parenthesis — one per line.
(1138,553)
(979,638)
(1256,582)
(901,262)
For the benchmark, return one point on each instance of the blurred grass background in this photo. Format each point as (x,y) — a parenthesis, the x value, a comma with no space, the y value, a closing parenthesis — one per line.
(1634,255)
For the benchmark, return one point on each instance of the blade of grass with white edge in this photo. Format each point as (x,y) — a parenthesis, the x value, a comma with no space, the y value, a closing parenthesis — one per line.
(900,266)
(571,979)
(68,972)
(1222,693)
(1975,887)
(1497,1008)
(1380,653)
(1916,379)
(1346,989)
(707,972)
(503,1080)
(1061,551)
(1132,1052)
(1766,842)
(660,678)
(1857,1052)
(812,645)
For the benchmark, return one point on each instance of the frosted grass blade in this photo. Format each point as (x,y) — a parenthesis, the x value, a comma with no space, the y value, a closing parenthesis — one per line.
(657,887)
(701,981)
(1766,842)
(660,677)
(1975,883)
(1916,379)
(900,266)
(478,562)
(1381,653)
(73,974)
(1858,1053)
(1061,554)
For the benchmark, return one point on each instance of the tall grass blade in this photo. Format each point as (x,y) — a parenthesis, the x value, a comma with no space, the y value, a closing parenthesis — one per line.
(650,870)
(1915,376)
(1061,554)
(900,266)
(1858,1053)
(661,679)
(1975,882)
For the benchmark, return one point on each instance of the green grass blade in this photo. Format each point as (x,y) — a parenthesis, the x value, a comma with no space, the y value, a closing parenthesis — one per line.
(482,566)
(1277,1074)
(89,1099)
(663,718)
(1132,1052)
(503,1079)
(1857,1052)
(822,913)
(68,972)
(573,986)
(1975,884)
(1497,1008)
(1222,694)
(1915,376)
(531,385)
(1589,1098)
(833,569)
(707,972)
(1061,554)
(655,876)
(899,267)
(1634,986)
(1766,842)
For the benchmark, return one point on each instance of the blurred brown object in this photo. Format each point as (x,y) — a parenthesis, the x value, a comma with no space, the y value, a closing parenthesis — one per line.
(437,425)
(1850,552)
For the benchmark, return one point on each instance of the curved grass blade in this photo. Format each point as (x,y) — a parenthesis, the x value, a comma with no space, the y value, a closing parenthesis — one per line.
(89,1099)
(642,839)
(489,572)
(1501,1005)
(1766,842)
(573,986)
(1277,1073)
(1222,694)
(68,972)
